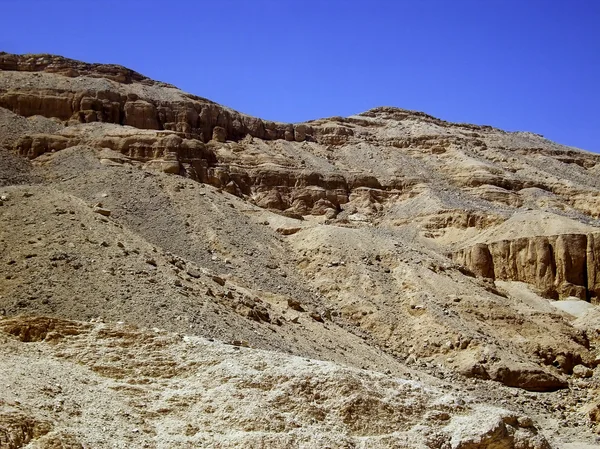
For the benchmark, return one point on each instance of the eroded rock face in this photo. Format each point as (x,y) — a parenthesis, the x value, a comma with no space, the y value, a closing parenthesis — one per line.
(192,116)
(271,186)
(71,68)
(559,266)
(17,430)
(367,285)
(348,149)
(124,102)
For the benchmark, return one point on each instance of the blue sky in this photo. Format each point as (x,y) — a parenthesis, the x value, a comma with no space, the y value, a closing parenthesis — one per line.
(527,65)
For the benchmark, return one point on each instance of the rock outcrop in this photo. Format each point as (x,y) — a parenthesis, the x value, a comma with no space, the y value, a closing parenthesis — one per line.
(224,396)
(559,266)
(125,103)
(72,68)
(273,186)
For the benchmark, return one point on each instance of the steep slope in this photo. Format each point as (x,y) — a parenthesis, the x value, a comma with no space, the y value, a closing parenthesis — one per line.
(390,241)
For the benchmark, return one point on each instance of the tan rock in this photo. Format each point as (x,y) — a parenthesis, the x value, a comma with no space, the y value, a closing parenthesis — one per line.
(102,211)
(295,305)
(582,371)
(300,133)
(287,230)
(173,167)
(410,189)
(219,134)
(556,265)
(141,114)
(527,377)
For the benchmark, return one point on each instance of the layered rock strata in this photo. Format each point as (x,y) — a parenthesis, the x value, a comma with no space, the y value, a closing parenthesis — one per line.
(559,266)
(124,99)
(272,186)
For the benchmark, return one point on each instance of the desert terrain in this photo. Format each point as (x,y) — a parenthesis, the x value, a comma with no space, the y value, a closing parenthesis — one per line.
(178,274)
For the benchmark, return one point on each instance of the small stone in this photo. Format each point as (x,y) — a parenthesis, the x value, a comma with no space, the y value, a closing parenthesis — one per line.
(317,317)
(582,371)
(437,416)
(295,305)
(525,421)
(102,211)
(219,280)
(193,273)
(287,231)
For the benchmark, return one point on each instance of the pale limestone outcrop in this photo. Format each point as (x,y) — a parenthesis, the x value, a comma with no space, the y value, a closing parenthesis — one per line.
(559,266)
(280,401)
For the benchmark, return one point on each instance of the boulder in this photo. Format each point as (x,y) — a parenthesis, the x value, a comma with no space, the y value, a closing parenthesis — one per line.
(527,377)
(582,371)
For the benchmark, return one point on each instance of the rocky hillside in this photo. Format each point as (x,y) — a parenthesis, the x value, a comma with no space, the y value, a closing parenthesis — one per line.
(383,280)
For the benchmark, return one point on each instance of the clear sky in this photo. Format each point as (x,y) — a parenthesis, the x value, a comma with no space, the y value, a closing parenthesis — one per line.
(530,65)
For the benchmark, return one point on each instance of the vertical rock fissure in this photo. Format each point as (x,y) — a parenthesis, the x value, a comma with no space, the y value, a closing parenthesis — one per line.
(552,260)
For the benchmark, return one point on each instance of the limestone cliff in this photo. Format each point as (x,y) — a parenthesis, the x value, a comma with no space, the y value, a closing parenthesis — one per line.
(559,266)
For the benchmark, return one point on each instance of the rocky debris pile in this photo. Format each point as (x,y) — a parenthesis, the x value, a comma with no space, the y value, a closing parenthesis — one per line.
(202,393)
(15,170)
